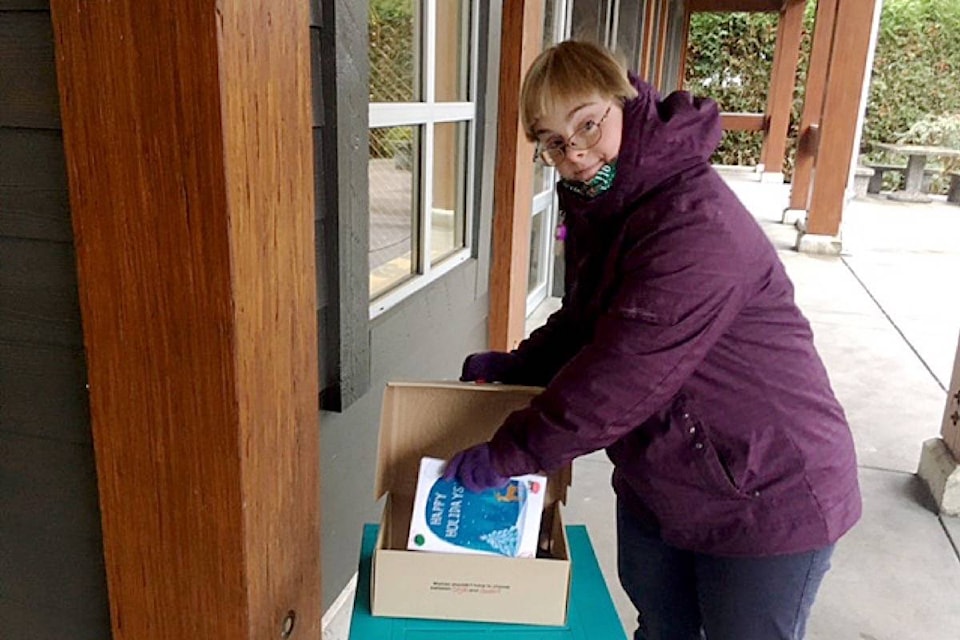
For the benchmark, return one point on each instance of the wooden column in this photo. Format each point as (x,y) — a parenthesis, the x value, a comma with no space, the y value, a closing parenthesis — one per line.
(520,42)
(645,68)
(841,106)
(188,140)
(685,47)
(661,27)
(951,414)
(782,84)
(812,103)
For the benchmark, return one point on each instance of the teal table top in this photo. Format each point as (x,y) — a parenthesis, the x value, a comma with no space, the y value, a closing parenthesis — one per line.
(590,616)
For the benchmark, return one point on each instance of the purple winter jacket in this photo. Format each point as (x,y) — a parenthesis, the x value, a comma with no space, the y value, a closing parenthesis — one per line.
(679,348)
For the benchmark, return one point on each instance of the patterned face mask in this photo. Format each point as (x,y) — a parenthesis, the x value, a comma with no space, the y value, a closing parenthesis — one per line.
(598,183)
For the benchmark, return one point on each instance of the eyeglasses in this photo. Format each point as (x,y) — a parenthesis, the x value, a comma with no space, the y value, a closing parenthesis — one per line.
(586,137)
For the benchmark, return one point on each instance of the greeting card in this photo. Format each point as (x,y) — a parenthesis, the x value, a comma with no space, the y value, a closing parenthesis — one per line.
(448,517)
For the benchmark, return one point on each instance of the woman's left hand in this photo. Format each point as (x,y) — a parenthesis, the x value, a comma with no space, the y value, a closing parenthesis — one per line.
(474,468)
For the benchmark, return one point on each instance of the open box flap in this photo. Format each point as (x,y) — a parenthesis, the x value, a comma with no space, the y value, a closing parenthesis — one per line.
(438,419)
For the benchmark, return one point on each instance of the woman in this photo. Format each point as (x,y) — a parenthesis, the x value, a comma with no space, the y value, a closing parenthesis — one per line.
(680,350)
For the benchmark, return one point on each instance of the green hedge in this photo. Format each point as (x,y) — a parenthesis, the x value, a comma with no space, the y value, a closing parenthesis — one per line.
(392,74)
(917,68)
(916,71)
(729,59)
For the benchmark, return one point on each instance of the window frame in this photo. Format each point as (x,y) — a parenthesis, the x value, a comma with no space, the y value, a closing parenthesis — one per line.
(426,114)
(544,201)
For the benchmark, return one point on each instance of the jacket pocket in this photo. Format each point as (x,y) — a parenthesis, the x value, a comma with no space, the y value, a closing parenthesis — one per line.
(715,473)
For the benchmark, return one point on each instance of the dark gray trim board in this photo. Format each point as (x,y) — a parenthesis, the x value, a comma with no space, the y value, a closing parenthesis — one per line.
(342,198)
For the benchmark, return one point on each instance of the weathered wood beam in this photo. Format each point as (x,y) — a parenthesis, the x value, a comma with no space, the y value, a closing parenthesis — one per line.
(187,132)
(663,16)
(708,6)
(731,121)
(950,430)
(812,103)
(513,185)
(782,84)
(841,107)
(684,47)
(645,68)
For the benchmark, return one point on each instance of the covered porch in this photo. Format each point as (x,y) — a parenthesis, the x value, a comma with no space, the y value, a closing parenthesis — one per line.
(210,219)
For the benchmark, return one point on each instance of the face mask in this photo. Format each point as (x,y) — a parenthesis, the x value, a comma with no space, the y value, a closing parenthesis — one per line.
(598,183)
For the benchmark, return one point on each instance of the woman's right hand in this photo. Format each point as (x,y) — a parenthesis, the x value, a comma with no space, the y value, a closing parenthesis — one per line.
(489,366)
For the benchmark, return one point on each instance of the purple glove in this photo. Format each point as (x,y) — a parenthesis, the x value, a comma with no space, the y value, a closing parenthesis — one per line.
(475,470)
(489,366)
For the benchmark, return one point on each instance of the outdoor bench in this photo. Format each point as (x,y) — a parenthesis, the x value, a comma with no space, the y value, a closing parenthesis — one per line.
(862,179)
(876,180)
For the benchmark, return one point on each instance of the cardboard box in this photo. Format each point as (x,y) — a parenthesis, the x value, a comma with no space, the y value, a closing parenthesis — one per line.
(438,420)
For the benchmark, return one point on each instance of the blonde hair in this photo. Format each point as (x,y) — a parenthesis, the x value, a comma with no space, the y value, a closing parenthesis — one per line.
(568,70)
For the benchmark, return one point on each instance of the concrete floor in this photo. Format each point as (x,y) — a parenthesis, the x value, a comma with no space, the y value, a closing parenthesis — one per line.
(886,318)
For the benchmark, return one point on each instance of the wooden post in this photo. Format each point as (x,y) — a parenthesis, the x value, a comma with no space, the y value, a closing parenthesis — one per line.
(841,107)
(685,47)
(812,103)
(520,42)
(782,84)
(939,465)
(646,46)
(187,129)
(663,17)
(951,414)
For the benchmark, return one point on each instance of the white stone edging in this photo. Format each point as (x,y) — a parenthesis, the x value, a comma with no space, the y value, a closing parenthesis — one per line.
(336,619)
(940,471)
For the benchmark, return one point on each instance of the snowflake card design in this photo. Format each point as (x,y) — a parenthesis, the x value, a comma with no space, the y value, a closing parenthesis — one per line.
(449,518)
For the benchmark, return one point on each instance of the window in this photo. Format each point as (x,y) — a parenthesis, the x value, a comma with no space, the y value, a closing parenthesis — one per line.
(422,113)
(543,219)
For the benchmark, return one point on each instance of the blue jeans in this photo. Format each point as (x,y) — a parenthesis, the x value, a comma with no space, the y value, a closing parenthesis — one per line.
(681,595)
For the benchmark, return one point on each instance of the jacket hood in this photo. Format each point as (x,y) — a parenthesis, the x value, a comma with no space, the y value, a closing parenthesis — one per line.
(660,140)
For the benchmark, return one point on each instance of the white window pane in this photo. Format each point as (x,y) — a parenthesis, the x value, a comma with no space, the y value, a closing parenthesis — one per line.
(539,177)
(393,171)
(451,51)
(537,273)
(550,17)
(448,219)
(394,51)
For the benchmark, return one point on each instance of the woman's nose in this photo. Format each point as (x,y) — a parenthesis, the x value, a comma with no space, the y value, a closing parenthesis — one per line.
(572,152)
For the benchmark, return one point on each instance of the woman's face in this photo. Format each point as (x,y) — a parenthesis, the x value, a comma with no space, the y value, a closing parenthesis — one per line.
(581,116)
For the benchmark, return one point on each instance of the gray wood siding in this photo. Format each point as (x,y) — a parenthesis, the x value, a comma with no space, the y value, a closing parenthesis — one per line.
(33,185)
(53,582)
(28,88)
